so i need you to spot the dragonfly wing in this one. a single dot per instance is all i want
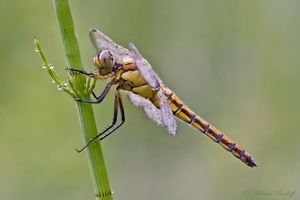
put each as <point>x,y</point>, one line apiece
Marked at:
<point>145,69</point>
<point>150,110</point>
<point>166,113</point>
<point>102,42</point>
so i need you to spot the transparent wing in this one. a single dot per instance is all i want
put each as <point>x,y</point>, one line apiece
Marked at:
<point>145,68</point>
<point>102,42</point>
<point>166,115</point>
<point>150,110</point>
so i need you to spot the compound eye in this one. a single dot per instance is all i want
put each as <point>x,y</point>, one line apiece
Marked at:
<point>103,62</point>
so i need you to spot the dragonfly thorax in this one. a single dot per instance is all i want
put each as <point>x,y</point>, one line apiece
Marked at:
<point>103,62</point>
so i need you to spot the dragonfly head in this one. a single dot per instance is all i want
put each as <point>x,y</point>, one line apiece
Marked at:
<point>103,62</point>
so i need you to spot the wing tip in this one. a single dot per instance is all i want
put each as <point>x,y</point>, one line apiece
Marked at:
<point>94,30</point>
<point>172,128</point>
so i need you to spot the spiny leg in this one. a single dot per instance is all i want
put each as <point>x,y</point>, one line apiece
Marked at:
<point>90,74</point>
<point>99,98</point>
<point>118,103</point>
<point>103,92</point>
<point>94,95</point>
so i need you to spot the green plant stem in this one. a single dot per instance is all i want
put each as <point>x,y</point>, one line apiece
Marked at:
<point>85,111</point>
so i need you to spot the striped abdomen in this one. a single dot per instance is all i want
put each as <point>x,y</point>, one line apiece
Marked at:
<point>184,113</point>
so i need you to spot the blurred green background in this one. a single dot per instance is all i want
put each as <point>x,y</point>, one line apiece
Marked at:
<point>235,63</point>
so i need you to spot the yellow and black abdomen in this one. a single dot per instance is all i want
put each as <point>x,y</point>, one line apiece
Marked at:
<point>181,111</point>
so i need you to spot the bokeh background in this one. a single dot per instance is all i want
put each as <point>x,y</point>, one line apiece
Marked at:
<point>235,63</point>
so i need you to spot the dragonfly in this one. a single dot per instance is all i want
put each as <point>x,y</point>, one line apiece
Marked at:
<point>130,72</point>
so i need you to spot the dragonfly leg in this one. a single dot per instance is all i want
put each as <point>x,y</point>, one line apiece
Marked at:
<point>94,95</point>
<point>118,103</point>
<point>99,98</point>
<point>90,74</point>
